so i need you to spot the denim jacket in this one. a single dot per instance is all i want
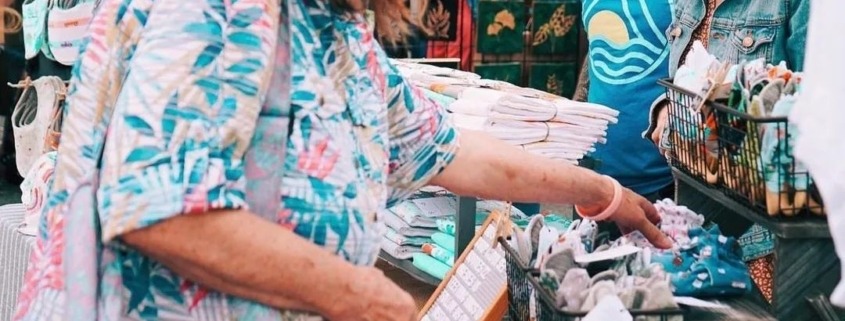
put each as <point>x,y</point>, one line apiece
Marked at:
<point>744,30</point>
<point>741,30</point>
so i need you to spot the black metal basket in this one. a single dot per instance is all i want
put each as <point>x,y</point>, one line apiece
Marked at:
<point>522,282</point>
<point>692,141</point>
<point>768,179</point>
<point>547,311</point>
<point>519,288</point>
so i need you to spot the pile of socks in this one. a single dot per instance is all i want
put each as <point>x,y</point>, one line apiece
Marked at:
<point>536,121</point>
<point>423,230</point>
<point>579,267</point>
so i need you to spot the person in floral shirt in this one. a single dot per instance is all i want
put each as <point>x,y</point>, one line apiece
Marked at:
<point>224,160</point>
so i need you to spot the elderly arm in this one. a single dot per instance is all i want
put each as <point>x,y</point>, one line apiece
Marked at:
<point>489,168</point>
<point>241,254</point>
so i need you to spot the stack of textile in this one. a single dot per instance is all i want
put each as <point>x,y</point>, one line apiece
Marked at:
<point>423,229</point>
<point>538,122</point>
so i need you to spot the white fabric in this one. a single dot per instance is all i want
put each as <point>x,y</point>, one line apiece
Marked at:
<point>521,133</point>
<point>402,252</point>
<point>397,224</point>
<point>821,118</point>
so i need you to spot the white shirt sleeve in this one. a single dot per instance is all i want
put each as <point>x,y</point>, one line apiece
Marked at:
<point>820,117</point>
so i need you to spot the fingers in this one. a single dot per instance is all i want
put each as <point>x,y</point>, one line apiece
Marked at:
<point>655,135</point>
<point>654,235</point>
<point>650,211</point>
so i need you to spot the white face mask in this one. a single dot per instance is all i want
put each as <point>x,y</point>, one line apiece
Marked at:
<point>66,30</point>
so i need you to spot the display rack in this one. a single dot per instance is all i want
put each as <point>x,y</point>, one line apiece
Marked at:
<point>464,233</point>
<point>806,266</point>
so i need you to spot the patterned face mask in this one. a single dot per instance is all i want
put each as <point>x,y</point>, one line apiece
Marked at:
<point>66,30</point>
<point>34,26</point>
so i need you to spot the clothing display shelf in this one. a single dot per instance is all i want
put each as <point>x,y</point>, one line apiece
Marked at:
<point>464,232</point>
<point>806,266</point>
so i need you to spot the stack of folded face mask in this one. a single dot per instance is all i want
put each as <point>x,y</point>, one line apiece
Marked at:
<point>416,222</point>
<point>539,122</point>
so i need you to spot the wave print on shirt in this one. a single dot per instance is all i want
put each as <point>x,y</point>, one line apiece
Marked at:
<point>623,49</point>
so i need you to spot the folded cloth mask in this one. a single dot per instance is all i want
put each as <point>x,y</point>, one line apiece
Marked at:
<point>34,26</point>
<point>66,30</point>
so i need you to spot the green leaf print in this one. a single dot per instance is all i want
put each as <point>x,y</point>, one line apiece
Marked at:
<point>246,17</point>
<point>207,56</point>
<point>167,287</point>
<point>246,40</point>
<point>139,124</point>
<point>143,154</point>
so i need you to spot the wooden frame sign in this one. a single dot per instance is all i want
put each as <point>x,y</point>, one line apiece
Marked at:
<point>476,287</point>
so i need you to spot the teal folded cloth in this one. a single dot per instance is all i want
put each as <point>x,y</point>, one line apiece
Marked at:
<point>446,226</point>
<point>441,99</point>
<point>556,221</point>
<point>430,265</point>
<point>439,253</point>
<point>444,240</point>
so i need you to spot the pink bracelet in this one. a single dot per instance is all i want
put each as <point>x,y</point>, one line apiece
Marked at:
<point>614,203</point>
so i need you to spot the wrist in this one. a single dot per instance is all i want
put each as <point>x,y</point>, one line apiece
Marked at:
<point>607,201</point>
<point>355,284</point>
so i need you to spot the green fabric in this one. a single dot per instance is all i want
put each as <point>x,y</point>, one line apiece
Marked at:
<point>556,28</point>
<point>444,240</point>
<point>446,226</point>
<point>430,265</point>
<point>441,99</point>
<point>500,27</point>
<point>554,78</point>
<point>439,253</point>
<point>508,72</point>
<point>556,221</point>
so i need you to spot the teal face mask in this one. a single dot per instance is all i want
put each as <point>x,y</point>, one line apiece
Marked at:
<point>34,26</point>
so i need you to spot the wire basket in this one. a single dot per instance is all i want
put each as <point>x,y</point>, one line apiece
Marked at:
<point>694,146</point>
<point>547,310</point>
<point>520,289</point>
<point>749,158</point>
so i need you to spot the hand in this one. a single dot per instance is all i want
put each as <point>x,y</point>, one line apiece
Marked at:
<point>374,297</point>
<point>637,213</point>
<point>662,122</point>
<point>634,213</point>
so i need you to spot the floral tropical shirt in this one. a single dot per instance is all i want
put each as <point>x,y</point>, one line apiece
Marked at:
<point>288,108</point>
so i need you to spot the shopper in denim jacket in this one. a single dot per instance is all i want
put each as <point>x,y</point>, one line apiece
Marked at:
<point>735,31</point>
<point>739,30</point>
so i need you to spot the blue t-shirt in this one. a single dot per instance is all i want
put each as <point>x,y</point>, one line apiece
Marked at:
<point>628,53</point>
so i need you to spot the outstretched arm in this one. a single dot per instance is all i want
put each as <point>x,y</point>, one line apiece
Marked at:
<point>488,168</point>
